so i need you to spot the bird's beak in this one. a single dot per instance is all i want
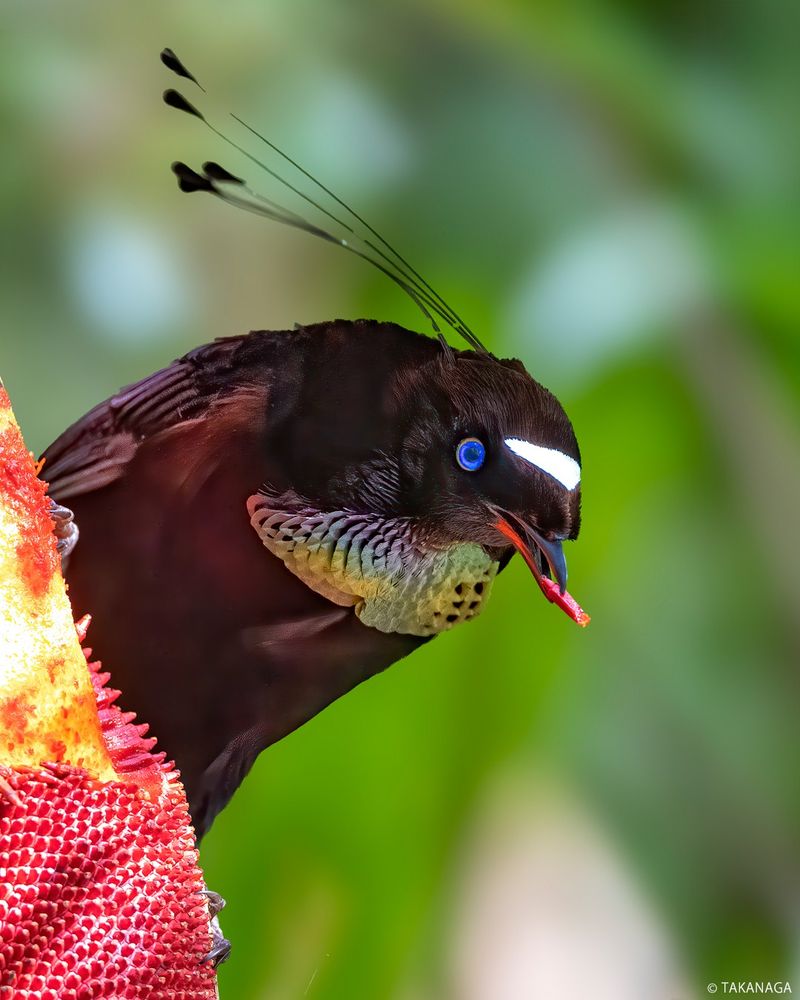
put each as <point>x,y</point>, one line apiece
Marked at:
<point>554,589</point>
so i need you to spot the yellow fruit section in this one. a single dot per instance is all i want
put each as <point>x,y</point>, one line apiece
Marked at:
<point>47,702</point>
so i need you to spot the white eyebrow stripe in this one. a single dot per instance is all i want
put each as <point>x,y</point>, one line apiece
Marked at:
<point>555,463</point>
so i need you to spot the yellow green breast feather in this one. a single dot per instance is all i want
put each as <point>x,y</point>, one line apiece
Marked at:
<point>374,565</point>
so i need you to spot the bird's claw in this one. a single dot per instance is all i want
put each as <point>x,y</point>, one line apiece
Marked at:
<point>65,528</point>
<point>216,904</point>
<point>220,945</point>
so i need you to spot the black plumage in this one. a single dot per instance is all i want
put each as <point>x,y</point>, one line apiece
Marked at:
<point>213,640</point>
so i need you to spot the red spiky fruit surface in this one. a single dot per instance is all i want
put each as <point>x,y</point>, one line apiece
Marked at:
<point>100,890</point>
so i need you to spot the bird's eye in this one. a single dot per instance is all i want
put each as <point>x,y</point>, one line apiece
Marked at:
<point>470,454</point>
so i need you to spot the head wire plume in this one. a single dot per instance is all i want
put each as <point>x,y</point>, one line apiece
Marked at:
<point>369,245</point>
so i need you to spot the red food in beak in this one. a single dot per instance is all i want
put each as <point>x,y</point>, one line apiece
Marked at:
<point>551,590</point>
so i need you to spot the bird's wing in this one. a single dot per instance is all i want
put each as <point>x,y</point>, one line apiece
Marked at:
<point>95,450</point>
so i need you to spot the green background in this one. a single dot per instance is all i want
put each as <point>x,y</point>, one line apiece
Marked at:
<point>522,810</point>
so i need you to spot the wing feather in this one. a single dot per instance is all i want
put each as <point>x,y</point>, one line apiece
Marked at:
<point>95,450</point>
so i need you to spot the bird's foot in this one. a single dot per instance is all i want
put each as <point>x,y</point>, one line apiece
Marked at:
<point>66,530</point>
<point>220,945</point>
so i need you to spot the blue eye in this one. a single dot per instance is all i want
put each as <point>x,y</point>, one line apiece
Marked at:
<point>470,454</point>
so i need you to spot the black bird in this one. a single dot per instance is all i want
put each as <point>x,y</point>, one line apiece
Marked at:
<point>275,517</point>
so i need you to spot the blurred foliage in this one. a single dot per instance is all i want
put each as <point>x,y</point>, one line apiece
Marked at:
<point>612,193</point>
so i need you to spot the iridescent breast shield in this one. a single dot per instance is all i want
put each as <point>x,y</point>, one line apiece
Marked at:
<point>377,566</point>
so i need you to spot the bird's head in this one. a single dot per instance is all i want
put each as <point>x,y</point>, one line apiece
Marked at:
<point>489,456</point>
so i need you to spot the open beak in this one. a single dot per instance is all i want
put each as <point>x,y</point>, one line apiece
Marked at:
<point>551,554</point>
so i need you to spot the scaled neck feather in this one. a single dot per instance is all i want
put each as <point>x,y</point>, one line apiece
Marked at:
<point>383,567</point>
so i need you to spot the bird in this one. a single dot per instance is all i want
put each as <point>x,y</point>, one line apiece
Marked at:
<point>275,517</point>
